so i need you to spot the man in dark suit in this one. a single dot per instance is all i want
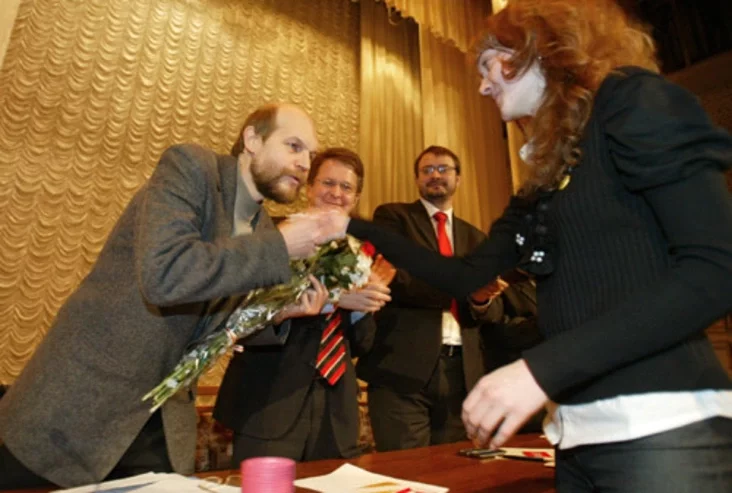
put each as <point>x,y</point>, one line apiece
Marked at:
<point>273,395</point>
<point>426,352</point>
<point>190,244</point>
<point>508,313</point>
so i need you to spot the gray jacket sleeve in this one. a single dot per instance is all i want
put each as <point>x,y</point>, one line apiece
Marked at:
<point>174,264</point>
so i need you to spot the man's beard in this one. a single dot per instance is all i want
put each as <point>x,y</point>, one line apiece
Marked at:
<point>430,193</point>
<point>270,184</point>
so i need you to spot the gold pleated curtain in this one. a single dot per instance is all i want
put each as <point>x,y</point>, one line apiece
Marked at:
<point>519,170</point>
<point>391,106</point>
<point>455,22</point>
<point>92,91</point>
<point>8,12</point>
<point>458,23</point>
<point>418,89</point>
<point>456,116</point>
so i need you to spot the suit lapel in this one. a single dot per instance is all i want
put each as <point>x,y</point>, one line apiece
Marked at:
<point>218,310</point>
<point>527,289</point>
<point>460,235</point>
<point>227,188</point>
<point>423,224</point>
<point>262,222</point>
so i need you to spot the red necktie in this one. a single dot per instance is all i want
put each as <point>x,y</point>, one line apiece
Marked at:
<point>331,360</point>
<point>443,242</point>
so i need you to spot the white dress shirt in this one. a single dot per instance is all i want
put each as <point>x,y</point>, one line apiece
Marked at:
<point>627,417</point>
<point>450,326</point>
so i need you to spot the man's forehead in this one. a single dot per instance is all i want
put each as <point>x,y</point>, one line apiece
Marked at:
<point>334,166</point>
<point>434,158</point>
<point>295,123</point>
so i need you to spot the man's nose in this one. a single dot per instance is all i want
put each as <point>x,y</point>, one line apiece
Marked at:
<point>485,87</point>
<point>336,191</point>
<point>302,161</point>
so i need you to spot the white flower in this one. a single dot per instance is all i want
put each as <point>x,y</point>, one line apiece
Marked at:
<point>363,269</point>
<point>353,244</point>
<point>537,256</point>
<point>520,240</point>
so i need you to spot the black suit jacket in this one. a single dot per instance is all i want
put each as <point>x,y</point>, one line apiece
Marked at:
<point>510,325</point>
<point>264,388</point>
<point>408,338</point>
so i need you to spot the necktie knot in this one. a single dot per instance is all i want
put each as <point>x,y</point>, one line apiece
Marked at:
<point>443,241</point>
<point>440,217</point>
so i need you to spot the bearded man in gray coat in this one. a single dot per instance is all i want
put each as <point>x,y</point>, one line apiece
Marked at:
<point>190,244</point>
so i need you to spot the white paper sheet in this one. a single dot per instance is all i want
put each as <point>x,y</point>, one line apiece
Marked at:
<point>545,454</point>
<point>156,482</point>
<point>351,479</point>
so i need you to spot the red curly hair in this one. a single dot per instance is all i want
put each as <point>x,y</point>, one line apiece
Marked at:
<point>577,43</point>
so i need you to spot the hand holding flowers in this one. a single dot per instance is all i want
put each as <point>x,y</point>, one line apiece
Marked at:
<point>310,303</point>
<point>375,293</point>
<point>370,298</point>
<point>337,266</point>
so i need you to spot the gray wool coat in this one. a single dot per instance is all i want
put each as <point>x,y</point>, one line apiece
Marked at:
<point>77,407</point>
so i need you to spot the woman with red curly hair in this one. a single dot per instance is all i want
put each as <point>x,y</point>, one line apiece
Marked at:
<point>626,225</point>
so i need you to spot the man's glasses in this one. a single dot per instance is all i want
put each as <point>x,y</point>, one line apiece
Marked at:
<point>345,187</point>
<point>440,168</point>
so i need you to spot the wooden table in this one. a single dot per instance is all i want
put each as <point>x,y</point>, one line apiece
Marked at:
<point>439,465</point>
<point>442,466</point>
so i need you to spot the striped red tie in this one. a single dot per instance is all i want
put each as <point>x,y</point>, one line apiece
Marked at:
<point>331,360</point>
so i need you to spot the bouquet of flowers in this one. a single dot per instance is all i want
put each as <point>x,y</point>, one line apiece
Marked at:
<point>340,265</point>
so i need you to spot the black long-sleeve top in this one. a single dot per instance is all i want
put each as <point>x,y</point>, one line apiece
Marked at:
<point>641,261</point>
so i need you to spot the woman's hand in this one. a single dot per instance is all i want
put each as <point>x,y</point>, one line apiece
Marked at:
<point>303,232</point>
<point>370,298</point>
<point>310,303</point>
<point>500,403</point>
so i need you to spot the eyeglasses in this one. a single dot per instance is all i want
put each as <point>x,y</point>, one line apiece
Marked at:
<point>440,168</point>
<point>345,187</point>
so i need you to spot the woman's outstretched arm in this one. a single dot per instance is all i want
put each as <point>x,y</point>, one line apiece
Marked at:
<point>457,276</point>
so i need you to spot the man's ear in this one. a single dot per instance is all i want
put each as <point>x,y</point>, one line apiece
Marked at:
<point>252,140</point>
